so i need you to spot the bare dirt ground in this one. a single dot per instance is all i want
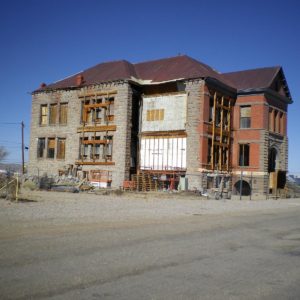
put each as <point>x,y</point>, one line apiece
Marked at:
<point>148,246</point>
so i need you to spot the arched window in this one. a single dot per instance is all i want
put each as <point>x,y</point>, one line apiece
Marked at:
<point>244,185</point>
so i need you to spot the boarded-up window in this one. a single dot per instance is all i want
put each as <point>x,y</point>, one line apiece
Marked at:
<point>51,148</point>
<point>155,114</point>
<point>245,117</point>
<point>63,113</point>
<point>53,114</point>
<point>61,148</point>
<point>244,155</point>
<point>41,147</point>
<point>44,114</point>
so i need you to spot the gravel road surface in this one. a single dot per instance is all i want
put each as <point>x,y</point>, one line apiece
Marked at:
<point>156,246</point>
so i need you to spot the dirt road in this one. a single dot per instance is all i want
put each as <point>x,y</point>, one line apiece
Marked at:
<point>68,247</point>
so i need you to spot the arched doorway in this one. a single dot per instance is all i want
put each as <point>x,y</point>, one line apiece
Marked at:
<point>272,160</point>
<point>246,189</point>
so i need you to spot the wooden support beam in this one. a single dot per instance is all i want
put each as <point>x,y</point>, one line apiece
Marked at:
<point>99,93</point>
<point>95,163</point>
<point>164,134</point>
<point>229,138</point>
<point>97,128</point>
<point>213,133</point>
<point>223,106</point>
<point>221,135</point>
<point>221,144</point>
<point>96,105</point>
<point>95,142</point>
<point>226,132</point>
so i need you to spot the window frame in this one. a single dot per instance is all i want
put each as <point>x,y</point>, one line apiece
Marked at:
<point>41,150</point>
<point>48,148</point>
<point>44,116</point>
<point>247,124</point>
<point>59,153</point>
<point>242,161</point>
<point>53,113</point>
<point>66,106</point>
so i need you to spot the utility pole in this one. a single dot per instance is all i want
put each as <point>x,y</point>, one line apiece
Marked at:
<point>22,129</point>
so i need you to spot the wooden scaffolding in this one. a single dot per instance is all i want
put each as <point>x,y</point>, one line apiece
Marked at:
<point>220,133</point>
<point>92,104</point>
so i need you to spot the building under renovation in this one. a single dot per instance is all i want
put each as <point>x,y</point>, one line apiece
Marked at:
<point>167,123</point>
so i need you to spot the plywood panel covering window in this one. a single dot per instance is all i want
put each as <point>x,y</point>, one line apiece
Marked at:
<point>63,113</point>
<point>245,117</point>
<point>53,114</point>
<point>61,148</point>
<point>44,115</point>
<point>51,147</point>
<point>155,114</point>
<point>41,147</point>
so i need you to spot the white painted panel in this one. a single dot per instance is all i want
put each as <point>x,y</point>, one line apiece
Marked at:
<point>143,151</point>
<point>175,153</point>
<point>179,156</point>
<point>151,149</point>
<point>174,107</point>
<point>184,153</point>
<point>160,155</point>
<point>147,158</point>
<point>163,153</point>
<point>155,154</point>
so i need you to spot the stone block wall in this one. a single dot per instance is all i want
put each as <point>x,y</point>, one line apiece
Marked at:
<point>195,91</point>
<point>121,137</point>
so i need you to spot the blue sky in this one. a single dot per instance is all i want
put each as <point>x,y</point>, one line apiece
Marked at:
<point>44,41</point>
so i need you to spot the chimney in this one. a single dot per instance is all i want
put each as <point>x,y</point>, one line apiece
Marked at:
<point>79,79</point>
<point>42,85</point>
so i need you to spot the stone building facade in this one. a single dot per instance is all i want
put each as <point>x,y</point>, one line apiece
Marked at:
<point>92,122</point>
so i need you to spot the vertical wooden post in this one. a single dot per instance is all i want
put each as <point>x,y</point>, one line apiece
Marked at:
<point>213,133</point>
<point>229,135</point>
<point>23,163</point>
<point>221,135</point>
<point>17,187</point>
<point>251,186</point>
<point>241,184</point>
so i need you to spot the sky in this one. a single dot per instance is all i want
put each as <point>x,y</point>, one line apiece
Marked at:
<point>44,41</point>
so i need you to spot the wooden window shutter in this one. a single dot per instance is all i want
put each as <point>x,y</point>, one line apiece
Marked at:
<point>51,143</point>
<point>63,117</point>
<point>61,148</point>
<point>44,115</point>
<point>53,113</point>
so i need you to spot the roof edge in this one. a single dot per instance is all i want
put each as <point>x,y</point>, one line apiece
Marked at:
<point>266,91</point>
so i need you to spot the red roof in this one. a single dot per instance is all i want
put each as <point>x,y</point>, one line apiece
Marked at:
<point>109,71</point>
<point>251,79</point>
<point>167,69</point>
